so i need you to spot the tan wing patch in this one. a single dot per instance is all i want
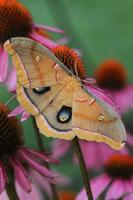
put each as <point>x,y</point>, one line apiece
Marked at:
<point>34,68</point>
<point>49,122</point>
<point>94,122</point>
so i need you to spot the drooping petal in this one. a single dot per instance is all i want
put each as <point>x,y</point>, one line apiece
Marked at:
<point>105,96</point>
<point>90,151</point>
<point>128,196</point>
<point>98,185</point>
<point>38,155</point>
<point>11,81</point>
<point>37,166</point>
<point>24,116</point>
<point>34,194</point>
<point>17,111</point>
<point>43,40</point>
<point>21,175</point>
<point>60,148</point>
<point>63,40</point>
<point>116,190</point>
<point>124,99</point>
<point>3,177</point>
<point>3,64</point>
<point>49,28</point>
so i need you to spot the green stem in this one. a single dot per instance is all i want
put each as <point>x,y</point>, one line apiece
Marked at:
<point>10,186</point>
<point>85,176</point>
<point>42,148</point>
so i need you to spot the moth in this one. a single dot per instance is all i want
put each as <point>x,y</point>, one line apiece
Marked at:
<point>57,98</point>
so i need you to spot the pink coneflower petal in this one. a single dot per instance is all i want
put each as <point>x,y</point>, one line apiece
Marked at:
<point>24,116</point>
<point>128,186</point>
<point>38,167</point>
<point>99,184</point>
<point>103,95</point>
<point>3,177</point>
<point>63,40</point>
<point>38,155</point>
<point>116,190</point>
<point>45,41</point>
<point>49,28</point>
<point>128,197</point>
<point>17,111</point>
<point>21,175</point>
<point>60,147</point>
<point>3,64</point>
<point>130,139</point>
<point>124,98</point>
<point>35,194</point>
<point>11,81</point>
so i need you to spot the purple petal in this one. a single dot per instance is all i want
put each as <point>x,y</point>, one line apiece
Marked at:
<point>17,111</point>
<point>3,65</point>
<point>37,166</point>
<point>49,28</point>
<point>124,99</point>
<point>41,181</point>
<point>40,155</point>
<point>90,151</point>
<point>60,147</point>
<point>116,190</point>
<point>24,116</point>
<point>104,95</point>
<point>43,40</point>
<point>21,174</point>
<point>35,193</point>
<point>128,197</point>
<point>99,184</point>
<point>3,177</point>
<point>82,195</point>
<point>63,40</point>
<point>11,81</point>
<point>128,186</point>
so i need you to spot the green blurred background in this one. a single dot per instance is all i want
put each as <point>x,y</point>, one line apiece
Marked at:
<point>101,29</point>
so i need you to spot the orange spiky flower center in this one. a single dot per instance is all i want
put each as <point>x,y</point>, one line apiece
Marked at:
<point>111,74</point>
<point>66,195</point>
<point>70,59</point>
<point>120,166</point>
<point>11,134</point>
<point>15,20</point>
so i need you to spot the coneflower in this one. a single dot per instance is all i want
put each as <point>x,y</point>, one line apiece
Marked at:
<point>15,21</point>
<point>117,180</point>
<point>14,155</point>
<point>111,76</point>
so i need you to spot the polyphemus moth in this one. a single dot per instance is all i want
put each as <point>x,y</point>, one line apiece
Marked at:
<point>57,98</point>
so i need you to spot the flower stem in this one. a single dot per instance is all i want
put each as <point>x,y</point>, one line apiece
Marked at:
<point>42,148</point>
<point>79,154</point>
<point>10,186</point>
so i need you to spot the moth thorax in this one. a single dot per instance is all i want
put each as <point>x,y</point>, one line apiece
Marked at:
<point>11,134</point>
<point>120,166</point>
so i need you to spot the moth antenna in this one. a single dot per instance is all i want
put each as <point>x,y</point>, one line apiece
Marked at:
<point>75,67</point>
<point>89,80</point>
<point>11,99</point>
